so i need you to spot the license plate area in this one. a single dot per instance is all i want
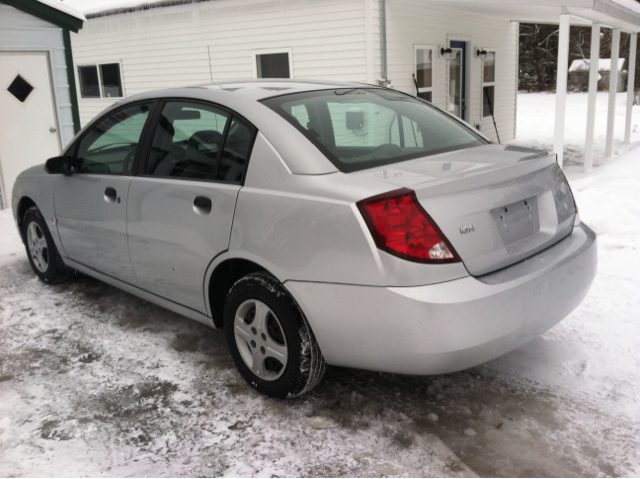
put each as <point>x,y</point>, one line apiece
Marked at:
<point>518,220</point>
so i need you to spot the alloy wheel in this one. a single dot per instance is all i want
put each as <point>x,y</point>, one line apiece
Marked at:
<point>261,340</point>
<point>38,247</point>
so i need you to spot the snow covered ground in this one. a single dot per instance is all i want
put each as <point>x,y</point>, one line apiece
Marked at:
<point>96,382</point>
<point>536,122</point>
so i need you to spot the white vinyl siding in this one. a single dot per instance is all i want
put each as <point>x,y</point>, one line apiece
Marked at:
<point>215,41</point>
<point>415,22</point>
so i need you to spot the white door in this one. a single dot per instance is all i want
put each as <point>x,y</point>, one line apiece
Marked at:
<point>28,127</point>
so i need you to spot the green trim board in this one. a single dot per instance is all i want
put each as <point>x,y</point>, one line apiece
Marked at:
<point>71,76</point>
<point>47,13</point>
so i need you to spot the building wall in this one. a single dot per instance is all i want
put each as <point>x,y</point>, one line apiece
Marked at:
<point>214,41</point>
<point>22,32</point>
<point>419,22</point>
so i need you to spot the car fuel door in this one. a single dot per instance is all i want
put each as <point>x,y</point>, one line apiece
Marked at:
<point>180,210</point>
<point>91,203</point>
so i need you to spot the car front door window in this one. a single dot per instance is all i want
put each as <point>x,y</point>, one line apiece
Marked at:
<point>110,146</point>
<point>91,203</point>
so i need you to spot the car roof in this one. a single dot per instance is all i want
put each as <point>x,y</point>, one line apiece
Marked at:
<point>265,88</point>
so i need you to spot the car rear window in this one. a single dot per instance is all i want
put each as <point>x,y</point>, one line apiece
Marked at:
<point>361,128</point>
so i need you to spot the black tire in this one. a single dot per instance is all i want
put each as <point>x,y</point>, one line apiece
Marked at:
<point>47,265</point>
<point>304,366</point>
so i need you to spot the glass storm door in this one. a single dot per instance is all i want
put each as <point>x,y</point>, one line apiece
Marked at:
<point>457,77</point>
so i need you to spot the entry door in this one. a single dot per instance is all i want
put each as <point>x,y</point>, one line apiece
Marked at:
<point>456,98</point>
<point>28,127</point>
<point>91,203</point>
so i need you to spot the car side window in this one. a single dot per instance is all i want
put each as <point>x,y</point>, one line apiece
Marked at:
<point>300,113</point>
<point>110,146</point>
<point>236,151</point>
<point>187,141</point>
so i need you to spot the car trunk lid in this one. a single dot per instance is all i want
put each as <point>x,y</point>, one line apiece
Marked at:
<point>496,204</point>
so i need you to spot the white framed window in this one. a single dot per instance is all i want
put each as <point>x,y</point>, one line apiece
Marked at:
<point>272,63</point>
<point>101,81</point>
<point>489,84</point>
<point>423,67</point>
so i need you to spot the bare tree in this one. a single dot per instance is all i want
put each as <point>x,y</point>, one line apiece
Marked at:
<point>539,54</point>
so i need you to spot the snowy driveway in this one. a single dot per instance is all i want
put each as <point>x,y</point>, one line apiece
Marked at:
<point>96,382</point>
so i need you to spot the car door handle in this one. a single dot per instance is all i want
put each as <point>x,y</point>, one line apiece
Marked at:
<point>202,205</point>
<point>111,195</point>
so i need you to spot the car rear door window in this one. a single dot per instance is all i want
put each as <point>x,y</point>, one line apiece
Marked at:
<point>235,154</point>
<point>110,146</point>
<point>199,142</point>
<point>187,141</point>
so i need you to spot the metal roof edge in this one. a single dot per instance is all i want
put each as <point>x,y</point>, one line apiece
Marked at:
<point>47,13</point>
<point>618,11</point>
<point>141,7</point>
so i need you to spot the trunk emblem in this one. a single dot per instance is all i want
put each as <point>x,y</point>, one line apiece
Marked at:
<point>467,229</point>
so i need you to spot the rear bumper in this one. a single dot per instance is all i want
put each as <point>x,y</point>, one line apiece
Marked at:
<point>449,326</point>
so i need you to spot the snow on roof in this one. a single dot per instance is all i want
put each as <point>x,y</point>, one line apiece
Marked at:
<point>604,65</point>
<point>97,7</point>
<point>632,5</point>
<point>64,7</point>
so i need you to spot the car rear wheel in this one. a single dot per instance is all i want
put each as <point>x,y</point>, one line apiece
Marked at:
<point>41,250</point>
<point>269,338</point>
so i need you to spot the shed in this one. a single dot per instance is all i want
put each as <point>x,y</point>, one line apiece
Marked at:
<point>38,102</point>
<point>579,74</point>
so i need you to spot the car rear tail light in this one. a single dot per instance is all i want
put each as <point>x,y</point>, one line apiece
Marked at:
<point>402,228</point>
<point>573,198</point>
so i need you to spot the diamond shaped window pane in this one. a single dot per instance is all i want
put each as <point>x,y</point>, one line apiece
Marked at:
<point>20,88</point>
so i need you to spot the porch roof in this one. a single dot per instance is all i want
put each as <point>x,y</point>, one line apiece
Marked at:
<point>622,14</point>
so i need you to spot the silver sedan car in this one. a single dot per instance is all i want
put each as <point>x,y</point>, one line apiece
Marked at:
<point>317,223</point>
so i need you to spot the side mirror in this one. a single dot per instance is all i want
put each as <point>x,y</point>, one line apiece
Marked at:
<point>59,165</point>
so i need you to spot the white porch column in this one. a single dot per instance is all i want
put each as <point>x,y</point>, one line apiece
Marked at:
<point>594,66</point>
<point>561,86</point>
<point>630,85</point>
<point>613,89</point>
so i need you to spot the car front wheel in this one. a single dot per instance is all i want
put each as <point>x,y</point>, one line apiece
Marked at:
<point>41,250</point>
<point>269,338</point>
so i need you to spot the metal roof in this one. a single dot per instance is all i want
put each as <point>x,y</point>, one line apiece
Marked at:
<point>623,14</point>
